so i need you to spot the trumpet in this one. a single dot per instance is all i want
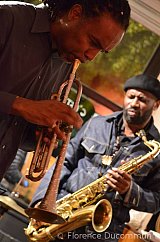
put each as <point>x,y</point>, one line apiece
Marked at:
<point>46,211</point>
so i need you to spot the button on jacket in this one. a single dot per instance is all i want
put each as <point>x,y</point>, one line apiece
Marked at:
<point>28,68</point>
<point>83,163</point>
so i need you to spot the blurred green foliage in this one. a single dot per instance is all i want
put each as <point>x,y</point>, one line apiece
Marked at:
<point>33,1</point>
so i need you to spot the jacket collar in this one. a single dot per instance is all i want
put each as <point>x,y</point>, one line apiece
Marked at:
<point>114,116</point>
<point>151,129</point>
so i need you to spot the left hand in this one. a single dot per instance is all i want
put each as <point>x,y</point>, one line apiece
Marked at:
<point>118,180</point>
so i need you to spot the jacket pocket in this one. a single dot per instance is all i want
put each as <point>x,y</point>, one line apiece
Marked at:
<point>94,146</point>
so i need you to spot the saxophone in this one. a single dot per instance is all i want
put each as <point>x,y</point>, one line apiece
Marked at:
<point>78,209</point>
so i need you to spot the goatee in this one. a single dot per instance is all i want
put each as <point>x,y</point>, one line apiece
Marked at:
<point>138,118</point>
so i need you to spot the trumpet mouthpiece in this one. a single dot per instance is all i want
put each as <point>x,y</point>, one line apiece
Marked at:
<point>75,66</point>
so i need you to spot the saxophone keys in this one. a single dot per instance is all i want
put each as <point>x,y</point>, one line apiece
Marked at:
<point>74,204</point>
<point>65,211</point>
<point>82,198</point>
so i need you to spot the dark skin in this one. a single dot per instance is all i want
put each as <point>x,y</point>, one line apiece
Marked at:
<point>137,104</point>
<point>85,37</point>
<point>46,113</point>
<point>75,37</point>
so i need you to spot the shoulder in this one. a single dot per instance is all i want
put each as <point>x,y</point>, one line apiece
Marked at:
<point>154,133</point>
<point>12,11</point>
<point>99,122</point>
<point>106,118</point>
<point>15,6</point>
<point>24,17</point>
<point>97,119</point>
<point>19,9</point>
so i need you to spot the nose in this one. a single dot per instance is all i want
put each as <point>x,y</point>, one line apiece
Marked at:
<point>90,54</point>
<point>135,102</point>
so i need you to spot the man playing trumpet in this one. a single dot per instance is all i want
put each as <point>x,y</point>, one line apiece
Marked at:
<point>38,46</point>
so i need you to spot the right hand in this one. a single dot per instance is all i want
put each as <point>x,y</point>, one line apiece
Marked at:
<point>45,112</point>
<point>119,180</point>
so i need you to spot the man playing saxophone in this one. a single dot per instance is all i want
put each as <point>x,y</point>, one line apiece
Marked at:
<point>101,146</point>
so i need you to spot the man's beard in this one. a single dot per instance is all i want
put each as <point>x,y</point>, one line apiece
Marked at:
<point>138,118</point>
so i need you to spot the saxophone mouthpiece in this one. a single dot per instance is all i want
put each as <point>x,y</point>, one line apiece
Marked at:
<point>142,134</point>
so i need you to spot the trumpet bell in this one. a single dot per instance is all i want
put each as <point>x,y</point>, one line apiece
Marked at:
<point>44,215</point>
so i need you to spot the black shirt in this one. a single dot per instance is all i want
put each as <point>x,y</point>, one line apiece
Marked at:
<point>28,68</point>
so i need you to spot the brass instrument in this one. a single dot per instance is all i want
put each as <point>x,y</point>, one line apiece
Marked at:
<point>77,209</point>
<point>46,211</point>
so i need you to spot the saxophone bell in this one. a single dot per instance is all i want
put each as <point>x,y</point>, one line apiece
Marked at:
<point>102,215</point>
<point>99,215</point>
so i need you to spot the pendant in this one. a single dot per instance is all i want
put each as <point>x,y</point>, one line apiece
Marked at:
<point>106,160</point>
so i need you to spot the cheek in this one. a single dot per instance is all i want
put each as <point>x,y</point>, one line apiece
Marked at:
<point>81,42</point>
<point>126,103</point>
<point>77,43</point>
<point>80,39</point>
<point>77,37</point>
<point>144,109</point>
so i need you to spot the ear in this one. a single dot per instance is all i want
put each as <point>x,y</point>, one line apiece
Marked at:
<point>156,105</point>
<point>75,12</point>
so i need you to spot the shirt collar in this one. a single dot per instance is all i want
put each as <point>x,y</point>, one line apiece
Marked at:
<point>150,129</point>
<point>114,116</point>
<point>42,20</point>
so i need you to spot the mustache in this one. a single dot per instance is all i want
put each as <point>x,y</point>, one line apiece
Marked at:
<point>133,109</point>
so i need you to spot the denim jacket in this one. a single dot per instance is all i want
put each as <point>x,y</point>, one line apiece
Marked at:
<point>83,163</point>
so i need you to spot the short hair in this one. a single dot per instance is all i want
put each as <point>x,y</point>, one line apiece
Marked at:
<point>118,9</point>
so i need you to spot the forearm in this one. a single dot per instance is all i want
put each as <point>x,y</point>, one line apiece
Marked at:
<point>141,199</point>
<point>45,112</point>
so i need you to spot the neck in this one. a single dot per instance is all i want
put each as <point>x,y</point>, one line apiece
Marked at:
<point>130,129</point>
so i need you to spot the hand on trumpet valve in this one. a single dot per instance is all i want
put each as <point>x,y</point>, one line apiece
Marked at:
<point>46,112</point>
<point>61,130</point>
